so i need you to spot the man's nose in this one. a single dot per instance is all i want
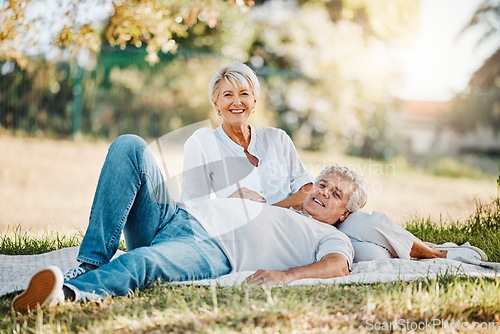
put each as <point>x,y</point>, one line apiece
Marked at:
<point>324,192</point>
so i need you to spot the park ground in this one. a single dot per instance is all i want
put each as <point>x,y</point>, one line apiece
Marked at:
<point>46,193</point>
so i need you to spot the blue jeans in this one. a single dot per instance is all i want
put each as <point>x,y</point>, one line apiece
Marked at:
<point>163,241</point>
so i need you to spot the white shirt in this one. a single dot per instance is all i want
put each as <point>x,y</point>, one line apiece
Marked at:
<point>214,162</point>
<point>260,236</point>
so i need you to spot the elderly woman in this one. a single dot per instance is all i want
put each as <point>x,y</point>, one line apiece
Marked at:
<point>240,160</point>
<point>261,164</point>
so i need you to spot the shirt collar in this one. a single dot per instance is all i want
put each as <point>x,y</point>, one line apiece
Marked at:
<point>222,135</point>
<point>299,212</point>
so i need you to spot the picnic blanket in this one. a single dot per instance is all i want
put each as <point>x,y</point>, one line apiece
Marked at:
<point>17,270</point>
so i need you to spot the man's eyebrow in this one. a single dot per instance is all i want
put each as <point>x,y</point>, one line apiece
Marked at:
<point>334,185</point>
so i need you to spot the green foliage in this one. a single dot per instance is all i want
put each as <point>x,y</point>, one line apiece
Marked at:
<point>36,98</point>
<point>449,167</point>
<point>498,179</point>
<point>156,24</point>
<point>15,242</point>
<point>326,80</point>
<point>478,109</point>
<point>387,20</point>
<point>126,95</point>
<point>324,65</point>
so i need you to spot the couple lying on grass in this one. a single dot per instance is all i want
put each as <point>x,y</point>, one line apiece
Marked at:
<point>311,230</point>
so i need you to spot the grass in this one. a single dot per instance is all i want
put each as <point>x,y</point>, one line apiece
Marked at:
<point>482,229</point>
<point>16,242</point>
<point>443,304</point>
<point>331,308</point>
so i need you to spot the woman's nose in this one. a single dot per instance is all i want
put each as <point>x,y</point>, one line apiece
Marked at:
<point>237,101</point>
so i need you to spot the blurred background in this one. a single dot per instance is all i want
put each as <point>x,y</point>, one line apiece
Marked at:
<point>406,92</point>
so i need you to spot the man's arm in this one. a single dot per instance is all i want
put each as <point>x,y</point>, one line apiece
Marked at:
<point>296,200</point>
<point>331,265</point>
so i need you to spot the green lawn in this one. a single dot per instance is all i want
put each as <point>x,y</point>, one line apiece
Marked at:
<point>444,304</point>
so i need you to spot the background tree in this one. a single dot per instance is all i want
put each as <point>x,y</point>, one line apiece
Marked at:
<point>137,22</point>
<point>326,65</point>
<point>36,98</point>
<point>479,104</point>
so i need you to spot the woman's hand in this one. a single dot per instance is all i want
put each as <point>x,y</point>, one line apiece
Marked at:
<point>246,193</point>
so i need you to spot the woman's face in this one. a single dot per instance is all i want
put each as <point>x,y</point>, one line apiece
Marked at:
<point>235,104</point>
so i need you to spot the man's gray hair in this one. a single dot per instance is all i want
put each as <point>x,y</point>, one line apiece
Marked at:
<point>237,74</point>
<point>358,197</point>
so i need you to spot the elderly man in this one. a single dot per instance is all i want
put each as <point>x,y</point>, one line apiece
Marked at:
<point>167,242</point>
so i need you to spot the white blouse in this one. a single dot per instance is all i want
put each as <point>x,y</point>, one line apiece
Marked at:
<point>214,162</point>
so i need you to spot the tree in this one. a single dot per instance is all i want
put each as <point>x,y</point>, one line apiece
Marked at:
<point>37,97</point>
<point>326,64</point>
<point>154,23</point>
<point>479,104</point>
<point>327,70</point>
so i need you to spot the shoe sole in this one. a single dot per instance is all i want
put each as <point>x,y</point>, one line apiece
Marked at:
<point>43,288</point>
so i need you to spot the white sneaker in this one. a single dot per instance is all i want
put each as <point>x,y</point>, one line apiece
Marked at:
<point>76,271</point>
<point>45,289</point>
<point>466,250</point>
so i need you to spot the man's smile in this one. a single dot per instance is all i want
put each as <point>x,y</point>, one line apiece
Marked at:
<point>318,201</point>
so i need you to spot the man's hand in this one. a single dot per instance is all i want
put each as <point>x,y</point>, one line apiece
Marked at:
<point>246,193</point>
<point>331,265</point>
<point>267,277</point>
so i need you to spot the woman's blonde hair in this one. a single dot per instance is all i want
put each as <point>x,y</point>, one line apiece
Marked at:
<point>237,74</point>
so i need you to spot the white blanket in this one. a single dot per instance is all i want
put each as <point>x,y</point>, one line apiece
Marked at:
<point>16,270</point>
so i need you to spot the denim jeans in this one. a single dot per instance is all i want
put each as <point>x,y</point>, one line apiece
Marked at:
<point>163,241</point>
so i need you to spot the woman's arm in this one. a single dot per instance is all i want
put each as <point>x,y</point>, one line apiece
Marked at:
<point>196,183</point>
<point>295,200</point>
<point>299,178</point>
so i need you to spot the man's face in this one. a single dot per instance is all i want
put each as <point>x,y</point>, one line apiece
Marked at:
<point>328,199</point>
